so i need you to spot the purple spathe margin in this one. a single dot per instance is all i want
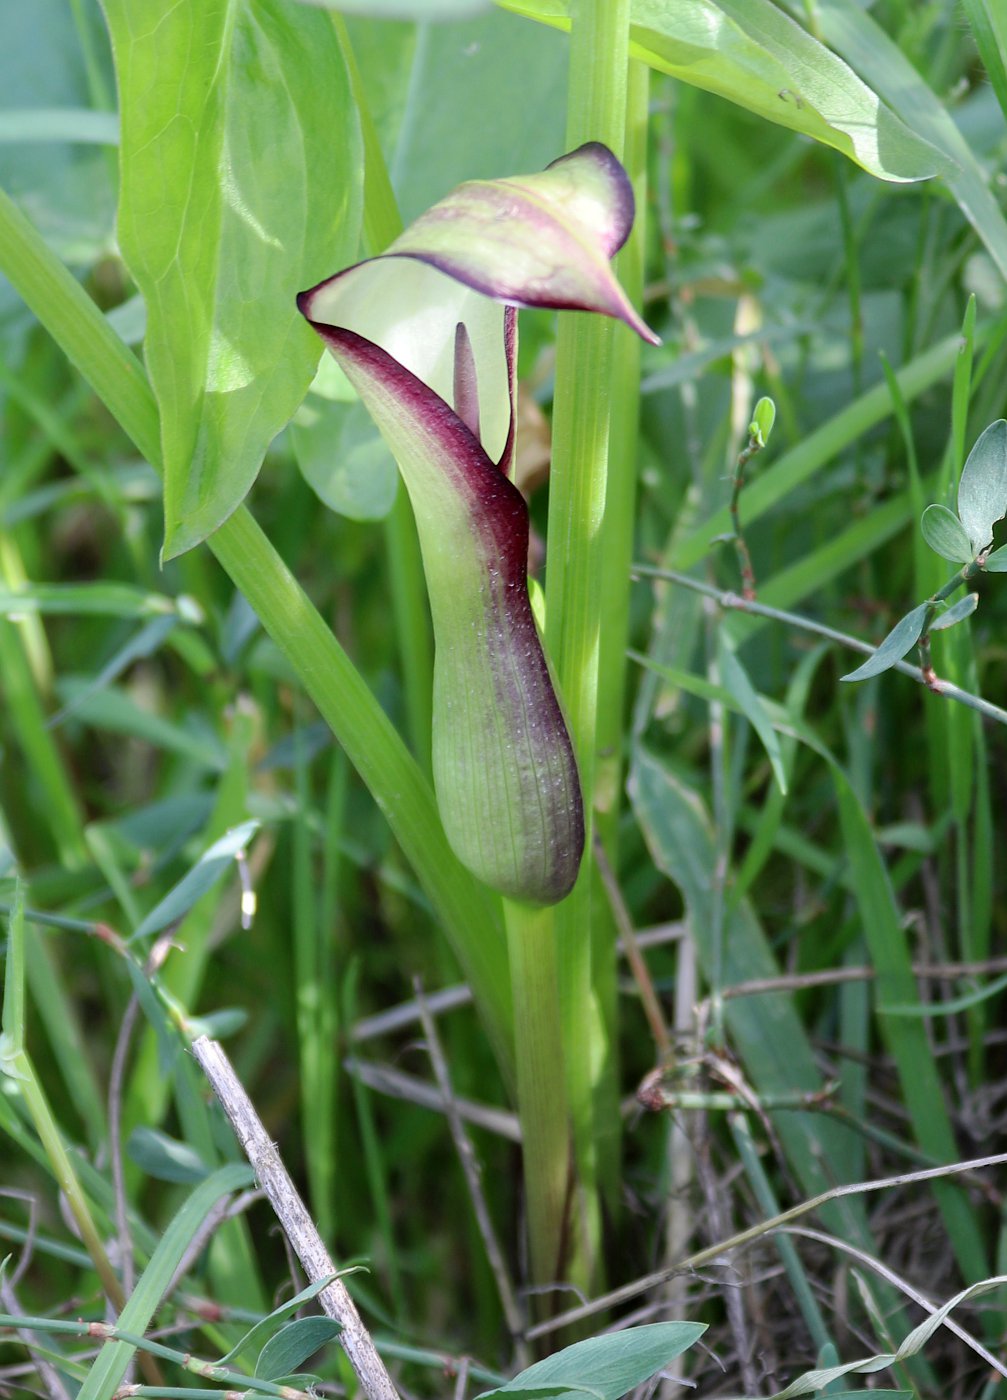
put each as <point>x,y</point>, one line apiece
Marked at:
<point>522,686</point>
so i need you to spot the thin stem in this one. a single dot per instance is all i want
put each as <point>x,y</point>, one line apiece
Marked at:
<point>471,1168</point>
<point>649,999</point>
<point>969,571</point>
<point>540,1078</point>
<point>23,1071</point>
<point>740,543</point>
<point>733,602</point>
<point>755,1232</point>
<point>107,1332</point>
<point>722,823</point>
<point>806,1301</point>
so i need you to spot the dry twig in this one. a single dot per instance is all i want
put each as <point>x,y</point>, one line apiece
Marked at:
<point>293,1216</point>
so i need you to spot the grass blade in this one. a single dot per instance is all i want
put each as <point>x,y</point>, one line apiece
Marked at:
<point>108,1370</point>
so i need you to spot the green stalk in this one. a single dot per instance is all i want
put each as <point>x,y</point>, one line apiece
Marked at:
<point>468,913</point>
<point>22,1070</point>
<point>620,515</point>
<point>620,508</point>
<point>538,1049</point>
<point>596,110</point>
<point>17,1066</point>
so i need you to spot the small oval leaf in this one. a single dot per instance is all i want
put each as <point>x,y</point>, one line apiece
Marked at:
<point>996,563</point>
<point>293,1344</point>
<point>269,1325</point>
<point>762,422</point>
<point>982,491</point>
<point>946,535</point>
<point>965,607</point>
<point>902,638</point>
<point>164,1157</point>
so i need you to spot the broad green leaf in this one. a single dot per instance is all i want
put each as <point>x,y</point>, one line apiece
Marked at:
<point>466,68</point>
<point>405,9</point>
<point>607,1366</point>
<point>902,638</point>
<point>945,534</point>
<point>240,184</point>
<point>996,563</point>
<point>343,459</point>
<point>853,33</point>
<point>754,55</point>
<point>283,1354</point>
<point>965,607</point>
<point>982,491</point>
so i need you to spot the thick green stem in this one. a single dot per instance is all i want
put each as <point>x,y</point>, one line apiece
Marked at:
<point>620,513</point>
<point>541,1091</point>
<point>620,505</point>
<point>599,56</point>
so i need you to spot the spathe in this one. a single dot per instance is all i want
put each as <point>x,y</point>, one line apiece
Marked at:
<point>427,335</point>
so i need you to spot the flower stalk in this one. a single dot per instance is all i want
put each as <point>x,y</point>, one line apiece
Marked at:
<point>582,421</point>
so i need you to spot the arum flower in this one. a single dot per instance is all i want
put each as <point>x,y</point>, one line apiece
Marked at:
<point>427,335</point>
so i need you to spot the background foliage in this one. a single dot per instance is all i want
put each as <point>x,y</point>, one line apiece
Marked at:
<point>779,825</point>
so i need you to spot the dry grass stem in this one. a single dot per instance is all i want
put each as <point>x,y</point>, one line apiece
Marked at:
<point>293,1216</point>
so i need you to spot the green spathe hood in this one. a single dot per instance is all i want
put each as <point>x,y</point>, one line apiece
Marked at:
<point>427,335</point>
